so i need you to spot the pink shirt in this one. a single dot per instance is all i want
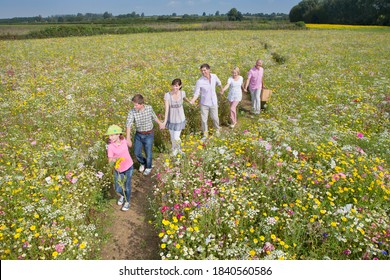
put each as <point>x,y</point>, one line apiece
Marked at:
<point>255,77</point>
<point>120,151</point>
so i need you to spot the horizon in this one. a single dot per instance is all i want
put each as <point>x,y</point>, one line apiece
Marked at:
<point>45,8</point>
<point>161,15</point>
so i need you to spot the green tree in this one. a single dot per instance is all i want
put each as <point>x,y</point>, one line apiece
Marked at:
<point>366,12</point>
<point>376,11</point>
<point>234,15</point>
<point>107,15</point>
<point>296,14</point>
<point>304,11</point>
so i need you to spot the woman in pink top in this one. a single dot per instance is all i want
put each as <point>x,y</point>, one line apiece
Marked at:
<point>255,83</point>
<point>118,154</point>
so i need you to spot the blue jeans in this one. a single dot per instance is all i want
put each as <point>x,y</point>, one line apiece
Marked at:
<point>123,183</point>
<point>144,141</point>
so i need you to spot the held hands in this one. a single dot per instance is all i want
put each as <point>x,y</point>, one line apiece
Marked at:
<point>162,125</point>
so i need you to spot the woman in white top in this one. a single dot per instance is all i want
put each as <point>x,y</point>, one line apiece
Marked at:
<point>174,118</point>
<point>234,84</point>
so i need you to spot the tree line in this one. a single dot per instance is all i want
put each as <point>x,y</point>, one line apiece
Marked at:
<point>362,12</point>
<point>106,17</point>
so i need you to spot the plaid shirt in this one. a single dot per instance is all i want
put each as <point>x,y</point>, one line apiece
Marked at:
<point>143,119</point>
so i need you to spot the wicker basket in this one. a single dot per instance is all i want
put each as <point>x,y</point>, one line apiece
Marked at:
<point>266,94</point>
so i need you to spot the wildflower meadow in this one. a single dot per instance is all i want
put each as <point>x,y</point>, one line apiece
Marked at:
<point>307,179</point>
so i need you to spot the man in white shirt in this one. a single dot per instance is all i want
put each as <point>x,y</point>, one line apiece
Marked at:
<point>205,87</point>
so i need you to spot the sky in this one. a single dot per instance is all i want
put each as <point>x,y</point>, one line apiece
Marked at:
<point>45,8</point>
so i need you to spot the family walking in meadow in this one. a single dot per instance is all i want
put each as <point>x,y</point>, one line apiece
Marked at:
<point>142,116</point>
<point>156,146</point>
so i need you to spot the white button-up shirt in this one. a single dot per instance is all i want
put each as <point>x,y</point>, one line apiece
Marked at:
<point>206,89</point>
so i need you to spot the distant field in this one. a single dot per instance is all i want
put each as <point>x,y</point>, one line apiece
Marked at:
<point>19,29</point>
<point>344,26</point>
<point>65,30</point>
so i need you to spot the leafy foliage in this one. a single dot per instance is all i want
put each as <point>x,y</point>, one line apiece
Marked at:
<point>234,15</point>
<point>365,12</point>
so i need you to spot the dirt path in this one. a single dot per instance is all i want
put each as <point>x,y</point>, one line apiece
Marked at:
<point>132,237</point>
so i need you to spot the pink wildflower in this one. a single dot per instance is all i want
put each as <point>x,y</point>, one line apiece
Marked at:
<point>69,175</point>
<point>60,247</point>
<point>268,247</point>
<point>347,252</point>
<point>197,191</point>
<point>342,175</point>
<point>178,216</point>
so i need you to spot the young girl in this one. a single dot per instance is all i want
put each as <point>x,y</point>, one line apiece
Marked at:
<point>235,93</point>
<point>175,119</point>
<point>118,154</point>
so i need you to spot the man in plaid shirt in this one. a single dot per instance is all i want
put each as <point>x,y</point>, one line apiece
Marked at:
<point>142,117</point>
